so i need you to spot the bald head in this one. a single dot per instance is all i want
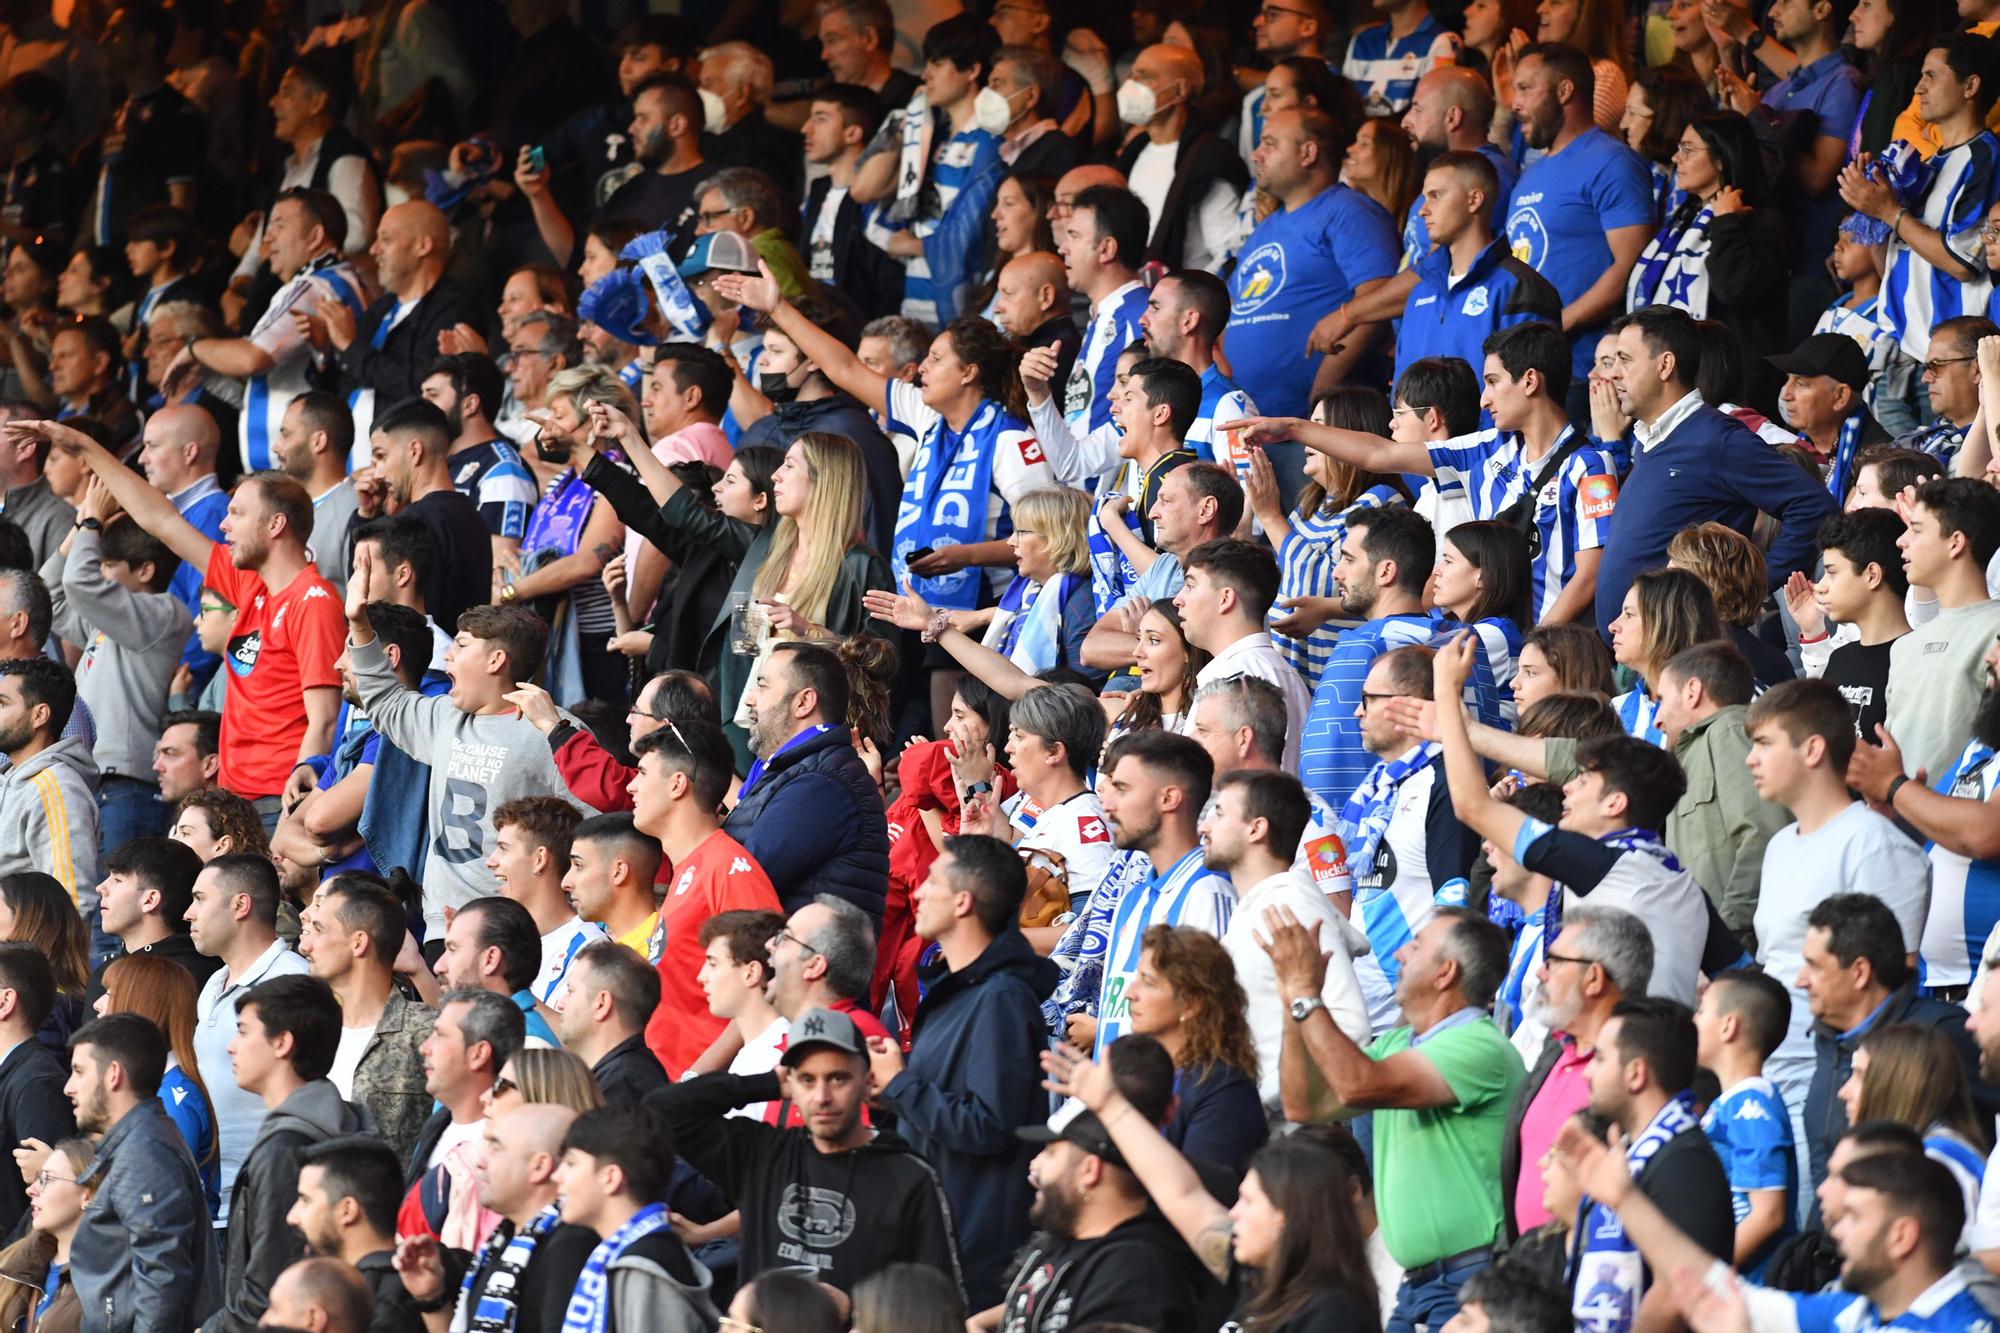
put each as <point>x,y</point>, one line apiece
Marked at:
<point>412,243</point>
<point>178,447</point>
<point>1452,107</point>
<point>1031,290</point>
<point>1163,66</point>
<point>1078,179</point>
<point>541,1125</point>
<point>321,1294</point>
<point>1038,267</point>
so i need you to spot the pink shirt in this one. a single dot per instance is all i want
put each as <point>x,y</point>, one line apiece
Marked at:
<point>1561,1096</point>
<point>702,442</point>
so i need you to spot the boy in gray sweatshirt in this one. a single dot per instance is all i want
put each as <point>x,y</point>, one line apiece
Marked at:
<point>481,751</point>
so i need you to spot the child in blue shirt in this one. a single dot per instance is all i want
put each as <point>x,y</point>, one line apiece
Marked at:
<point>1741,1020</point>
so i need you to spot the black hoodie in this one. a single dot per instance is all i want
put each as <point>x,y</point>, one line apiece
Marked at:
<point>1139,1273</point>
<point>846,1214</point>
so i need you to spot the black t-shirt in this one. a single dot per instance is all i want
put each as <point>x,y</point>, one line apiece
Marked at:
<point>462,571</point>
<point>157,140</point>
<point>654,200</point>
<point>1138,1273</point>
<point>1861,670</point>
<point>1328,1311</point>
<point>547,1281</point>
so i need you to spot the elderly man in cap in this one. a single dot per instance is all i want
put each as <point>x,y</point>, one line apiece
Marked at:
<point>833,1195</point>
<point>1821,400</point>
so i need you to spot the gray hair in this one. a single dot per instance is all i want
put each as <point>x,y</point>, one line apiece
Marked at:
<point>492,1018</point>
<point>1065,717</point>
<point>742,63</point>
<point>1616,941</point>
<point>746,187</point>
<point>1040,68</point>
<point>909,339</point>
<point>584,385</point>
<point>847,942</point>
<point>1247,701</point>
<point>557,334</point>
<point>1480,949</point>
<point>23,590</point>
<point>188,319</point>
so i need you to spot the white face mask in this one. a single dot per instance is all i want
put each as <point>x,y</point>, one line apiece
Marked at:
<point>713,113</point>
<point>394,196</point>
<point>992,112</point>
<point>1137,103</point>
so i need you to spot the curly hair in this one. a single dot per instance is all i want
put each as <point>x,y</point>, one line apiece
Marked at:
<point>1729,563</point>
<point>1203,978</point>
<point>871,664</point>
<point>229,816</point>
<point>996,357</point>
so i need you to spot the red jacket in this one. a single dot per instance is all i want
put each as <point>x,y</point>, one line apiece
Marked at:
<point>589,771</point>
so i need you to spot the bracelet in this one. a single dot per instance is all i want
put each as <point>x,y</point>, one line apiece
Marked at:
<point>446,1296</point>
<point>1889,798</point>
<point>1896,223</point>
<point>507,594</point>
<point>940,622</point>
<point>1116,1116</point>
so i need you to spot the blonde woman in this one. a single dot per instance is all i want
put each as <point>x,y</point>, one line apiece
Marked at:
<point>1043,616</point>
<point>807,571</point>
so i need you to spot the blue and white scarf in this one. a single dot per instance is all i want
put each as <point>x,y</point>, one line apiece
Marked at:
<point>1941,440</point>
<point>1365,817</point>
<point>590,1303</point>
<point>1081,951</point>
<point>1531,938</point>
<point>498,1307</point>
<point>677,303</point>
<point>1031,635</point>
<point>1111,573</point>
<point>944,504</point>
<point>1610,1275</point>
<point>1838,478</point>
<point>1673,269</point>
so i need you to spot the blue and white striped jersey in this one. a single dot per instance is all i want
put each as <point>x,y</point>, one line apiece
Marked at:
<point>1387,68</point>
<point>1916,297</point>
<point>1114,326</point>
<point>1187,893</point>
<point>1946,1306</point>
<point>1489,690</point>
<point>1965,894</point>
<point>1221,400</point>
<point>1572,513</point>
<point>266,396</point>
<point>1639,712</point>
<point>1306,552</point>
<point>954,162</point>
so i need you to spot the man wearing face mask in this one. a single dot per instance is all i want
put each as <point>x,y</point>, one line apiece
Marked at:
<point>735,84</point>
<point>804,399</point>
<point>1018,104</point>
<point>1187,176</point>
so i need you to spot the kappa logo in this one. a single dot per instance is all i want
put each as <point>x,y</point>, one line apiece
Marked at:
<point>739,866</point>
<point>1090,828</point>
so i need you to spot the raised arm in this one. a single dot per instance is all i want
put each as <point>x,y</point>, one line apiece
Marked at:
<point>824,350</point>
<point>149,508</point>
<point>911,612</point>
<point>1350,446</point>
<point>1173,1184</point>
<point>1472,800</point>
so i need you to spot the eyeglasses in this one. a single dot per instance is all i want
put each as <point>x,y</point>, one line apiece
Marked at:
<point>708,215</point>
<point>1689,149</point>
<point>1568,958</point>
<point>503,1086</point>
<point>1937,367</point>
<point>1989,231</point>
<point>1368,698</point>
<point>209,608</point>
<point>1272,13</point>
<point>1061,208</point>
<point>48,1178</point>
<point>786,934</point>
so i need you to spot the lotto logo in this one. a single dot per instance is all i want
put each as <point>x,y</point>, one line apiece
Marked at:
<point>1091,829</point>
<point>1031,450</point>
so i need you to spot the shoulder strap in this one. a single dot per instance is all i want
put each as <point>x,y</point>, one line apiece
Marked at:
<point>1524,516</point>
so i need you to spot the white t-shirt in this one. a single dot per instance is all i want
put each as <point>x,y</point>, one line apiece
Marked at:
<point>456,1136</point>
<point>559,947</point>
<point>1266,1007</point>
<point>1076,831</point>
<point>353,1042</point>
<point>759,1056</point>
<point>1255,655</point>
<point>1857,851</point>
<point>1936,674</point>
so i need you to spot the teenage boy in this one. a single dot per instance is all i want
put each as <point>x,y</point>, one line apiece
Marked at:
<point>616,1163</point>
<point>482,753</point>
<point>1801,737</point>
<point>735,970</point>
<point>1224,601</point>
<point>1937,671</point>
<point>1742,1018</point>
<point>531,836</point>
<point>1861,588</point>
<point>612,870</point>
<point>837,1159</point>
<point>1102,242</point>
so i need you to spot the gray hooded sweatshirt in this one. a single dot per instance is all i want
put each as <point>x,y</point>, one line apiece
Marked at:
<point>48,804</point>
<point>131,642</point>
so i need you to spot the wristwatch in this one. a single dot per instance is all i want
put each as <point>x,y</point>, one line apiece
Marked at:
<point>90,523</point>
<point>1754,40</point>
<point>1302,1008</point>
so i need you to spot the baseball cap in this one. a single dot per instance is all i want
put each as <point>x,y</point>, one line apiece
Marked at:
<point>723,250</point>
<point>822,1027</point>
<point>1834,355</point>
<point>1075,1123</point>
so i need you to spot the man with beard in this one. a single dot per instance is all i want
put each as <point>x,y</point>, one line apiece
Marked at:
<point>485,466</point>
<point>382,353</point>
<point>1900,1221</point>
<point>1602,956</point>
<point>1581,214</point>
<point>1154,785</point>
<point>411,473</point>
<point>1100,1253</point>
<point>1379,576</point>
<point>144,1248</point>
<point>346,1209</point>
<point>315,437</point>
<point>836,1194</point>
<point>1956,819</point>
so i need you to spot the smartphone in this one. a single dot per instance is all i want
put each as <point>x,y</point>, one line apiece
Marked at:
<point>537,159</point>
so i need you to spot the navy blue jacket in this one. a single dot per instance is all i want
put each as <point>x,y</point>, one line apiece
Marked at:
<point>1712,467</point>
<point>969,1085</point>
<point>1218,1117</point>
<point>815,822</point>
<point>1499,292</point>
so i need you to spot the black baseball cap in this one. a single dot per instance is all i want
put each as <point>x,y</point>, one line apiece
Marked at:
<point>1075,1123</point>
<point>822,1027</point>
<point>1834,355</point>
